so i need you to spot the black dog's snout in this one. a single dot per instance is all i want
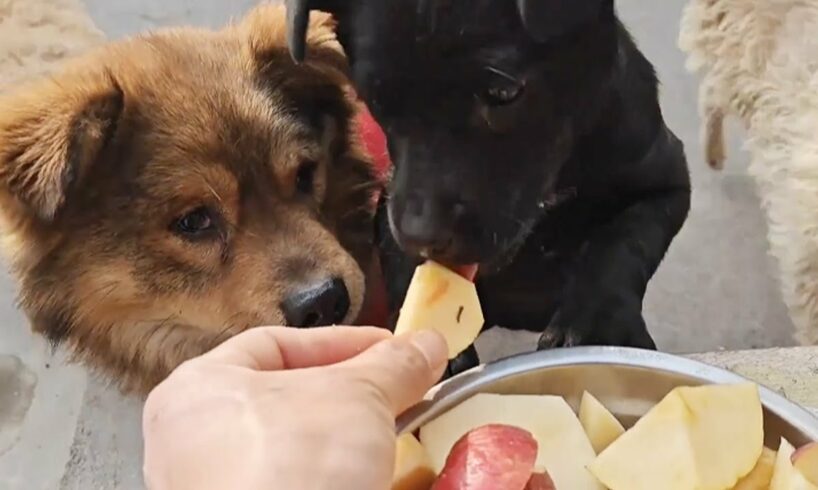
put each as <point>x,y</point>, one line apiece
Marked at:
<point>428,227</point>
<point>317,305</point>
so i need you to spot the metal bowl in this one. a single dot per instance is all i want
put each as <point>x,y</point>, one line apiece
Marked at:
<point>627,381</point>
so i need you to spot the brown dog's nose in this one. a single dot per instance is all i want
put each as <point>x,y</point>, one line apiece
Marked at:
<point>317,305</point>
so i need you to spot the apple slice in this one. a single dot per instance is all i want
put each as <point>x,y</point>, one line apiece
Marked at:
<point>540,480</point>
<point>705,438</point>
<point>443,300</point>
<point>563,446</point>
<point>762,474</point>
<point>413,471</point>
<point>599,423</point>
<point>785,476</point>
<point>491,457</point>
<point>805,460</point>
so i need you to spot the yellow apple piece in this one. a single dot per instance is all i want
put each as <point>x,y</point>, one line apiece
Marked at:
<point>599,423</point>
<point>696,438</point>
<point>785,476</point>
<point>563,447</point>
<point>762,474</point>
<point>443,300</point>
<point>805,460</point>
<point>413,470</point>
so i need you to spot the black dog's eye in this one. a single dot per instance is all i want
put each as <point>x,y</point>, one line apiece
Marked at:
<point>504,88</point>
<point>196,223</point>
<point>502,95</point>
<point>305,178</point>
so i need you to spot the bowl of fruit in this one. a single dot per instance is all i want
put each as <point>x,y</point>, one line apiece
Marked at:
<point>593,418</point>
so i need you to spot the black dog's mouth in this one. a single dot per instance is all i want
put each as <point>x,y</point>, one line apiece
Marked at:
<point>491,248</point>
<point>508,250</point>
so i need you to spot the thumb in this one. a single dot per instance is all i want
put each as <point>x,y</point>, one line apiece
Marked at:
<point>402,369</point>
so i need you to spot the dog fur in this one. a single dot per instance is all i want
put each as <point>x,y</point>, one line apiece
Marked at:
<point>758,60</point>
<point>166,191</point>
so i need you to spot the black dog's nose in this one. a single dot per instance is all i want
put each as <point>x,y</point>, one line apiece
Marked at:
<point>317,305</point>
<point>427,227</point>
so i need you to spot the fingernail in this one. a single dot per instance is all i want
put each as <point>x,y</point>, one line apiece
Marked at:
<point>432,345</point>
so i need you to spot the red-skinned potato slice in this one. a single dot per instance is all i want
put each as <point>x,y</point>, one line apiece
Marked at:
<point>491,457</point>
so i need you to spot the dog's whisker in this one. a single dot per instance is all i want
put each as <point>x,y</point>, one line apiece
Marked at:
<point>213,191</point>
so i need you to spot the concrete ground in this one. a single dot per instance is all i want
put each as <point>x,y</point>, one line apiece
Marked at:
<point>61,429</point>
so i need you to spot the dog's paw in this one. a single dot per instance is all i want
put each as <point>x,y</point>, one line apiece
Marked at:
<point>463,362</point>
<point>622,327</point>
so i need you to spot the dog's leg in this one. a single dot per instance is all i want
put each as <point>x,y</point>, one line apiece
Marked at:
<point>463,362</point>
<point>712,128</point>
<point>602,304</point>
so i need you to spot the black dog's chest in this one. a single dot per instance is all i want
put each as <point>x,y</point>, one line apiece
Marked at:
<point>525,297</point>
<point>525,294</point>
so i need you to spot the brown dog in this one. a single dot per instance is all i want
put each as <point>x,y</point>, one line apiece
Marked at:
<point>173,189</point>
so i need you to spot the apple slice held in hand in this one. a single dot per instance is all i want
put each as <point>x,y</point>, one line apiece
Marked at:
<point>443,300</point>
<point>491,457</point>
<point>805,460</point>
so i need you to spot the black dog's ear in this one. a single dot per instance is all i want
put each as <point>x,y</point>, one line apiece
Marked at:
<point>298,21</point>
<point>547,19</point>
<point>51,134</point>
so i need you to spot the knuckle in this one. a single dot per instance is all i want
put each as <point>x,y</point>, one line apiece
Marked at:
<point>408,357</point>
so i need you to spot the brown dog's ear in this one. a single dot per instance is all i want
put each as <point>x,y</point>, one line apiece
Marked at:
<point>545,20</point>
<point>265,30</point>
<point>298,22</point>
<point>51,133</point>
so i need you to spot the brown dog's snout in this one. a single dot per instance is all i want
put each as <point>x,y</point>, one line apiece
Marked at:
<point>323,304</point>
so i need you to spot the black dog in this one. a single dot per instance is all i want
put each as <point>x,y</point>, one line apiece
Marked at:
<point>526,137</point>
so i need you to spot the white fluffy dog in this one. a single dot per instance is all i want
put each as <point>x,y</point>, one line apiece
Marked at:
<point>759,62</point>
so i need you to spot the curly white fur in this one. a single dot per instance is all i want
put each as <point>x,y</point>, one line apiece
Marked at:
<point>759,62</point>
<point>36,35</point>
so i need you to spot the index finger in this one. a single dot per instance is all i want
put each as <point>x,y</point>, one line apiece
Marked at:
<point>277,348</point>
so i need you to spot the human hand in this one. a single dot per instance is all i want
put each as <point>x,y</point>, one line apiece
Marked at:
<point>280,408</point>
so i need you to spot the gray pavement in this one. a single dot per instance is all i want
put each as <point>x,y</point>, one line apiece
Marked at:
<point>60,428</point>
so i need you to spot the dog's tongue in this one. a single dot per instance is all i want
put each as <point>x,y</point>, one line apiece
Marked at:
<point>468,271</point>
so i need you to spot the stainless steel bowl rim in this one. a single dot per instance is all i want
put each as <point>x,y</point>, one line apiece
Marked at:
<point>467,383</point>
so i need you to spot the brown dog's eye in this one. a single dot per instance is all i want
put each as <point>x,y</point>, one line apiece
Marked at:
<point>196,224</point>
<point>305,178</point>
